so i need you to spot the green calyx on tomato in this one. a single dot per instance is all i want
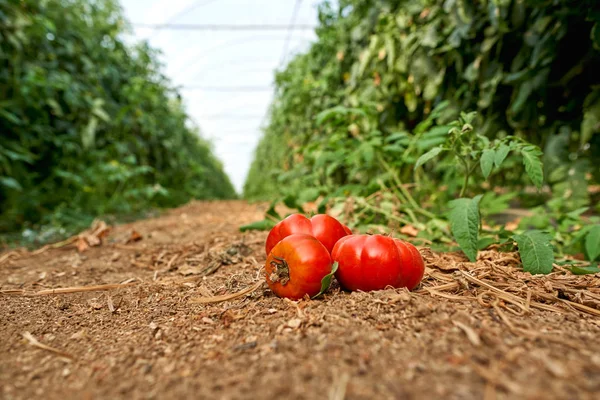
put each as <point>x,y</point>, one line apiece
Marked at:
<point>325,228</point>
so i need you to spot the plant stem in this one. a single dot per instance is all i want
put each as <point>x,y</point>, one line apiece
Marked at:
<point>384,212</point>
<point>407,210</point>
<point>467,174</point>
<point>404,191</point>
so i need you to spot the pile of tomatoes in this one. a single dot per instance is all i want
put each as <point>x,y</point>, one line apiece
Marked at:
<point>303,254</point>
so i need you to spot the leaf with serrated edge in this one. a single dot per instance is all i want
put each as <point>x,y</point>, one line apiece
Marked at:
<point>326,281</point>
<point>428,156</point>
<point>536,251</point>
<point>533,164</point>
<point>464,221</point>
<point>487,162</point>
<point>501,153</point>
<point>592,243</point>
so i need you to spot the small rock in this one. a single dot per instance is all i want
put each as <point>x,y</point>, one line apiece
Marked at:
<point>294,323</point>
<point>423,310</point>
<point>79,335</point>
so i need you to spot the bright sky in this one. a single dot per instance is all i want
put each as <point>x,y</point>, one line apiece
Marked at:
<point>213,61</point>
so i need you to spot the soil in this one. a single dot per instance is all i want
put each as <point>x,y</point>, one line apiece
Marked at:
<point>471,331</point>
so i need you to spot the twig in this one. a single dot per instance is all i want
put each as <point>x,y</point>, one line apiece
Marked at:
<point>110,304</point>
<point>471,334</point>
<point>125,247</point>
<point>449,296</point>
<point>12,292</point>
<point>171,261</point>
<point>77,289</point>
<point>508,295</point>
<point>11,254</point>
<point>338,389</point>
<point>226,297</point>
<point>497,379</point>
<point>446,286</point>
<point>34,342</point>
<point>578,306</point>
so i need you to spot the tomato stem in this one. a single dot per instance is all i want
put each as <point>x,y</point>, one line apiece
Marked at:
<point>281,272</point>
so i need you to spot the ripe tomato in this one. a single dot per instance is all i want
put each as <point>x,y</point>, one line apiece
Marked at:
<point>325,228</point>
<point>372,262</point>
<point>296,266</point>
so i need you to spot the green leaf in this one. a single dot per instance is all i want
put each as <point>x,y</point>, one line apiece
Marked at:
<point>368,152</point>
<point>88,136</point>
<point>337,111</point>
<point>591,122</point>
<point>264,225</point>
<point>398,136</point>
<point>10,183</point>
<point>272,212</point>
<point>428,156</point>
<point>484,242</point>
<point>308,195</point>
<point>592,243</point>
<point>595,35</point>
<point>501,153</point>
<point>55,107</point>
<point>10,116</point>
<point>533,164</point>
<point>291,201</point>
<point>391,51</point>
<point>326,281</point>
<point>590,269</point>
<point>536,251</point>
<point>522,95</point>
<point>575,214</point>
<point>487,162</point>
<point>366,55</point>
<point>464,222</point>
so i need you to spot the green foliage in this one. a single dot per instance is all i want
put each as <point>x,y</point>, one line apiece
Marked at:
<point>464,221</point>
<point>536,251</point>
<point>262,225</point>
<point>89,123</point>
<point>533,164</point>
<point>371,120</point>
<point>471,148</point>
<point>326,281</point>
<point>592,243</point>
<point>591,269</point>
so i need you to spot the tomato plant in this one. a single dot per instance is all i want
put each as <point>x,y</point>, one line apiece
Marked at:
<point>297,265</point>
<point>388,145</point>
<point>325,228</point>
<point>372,262</point>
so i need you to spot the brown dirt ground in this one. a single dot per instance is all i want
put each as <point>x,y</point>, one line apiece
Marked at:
<point>486,331</point>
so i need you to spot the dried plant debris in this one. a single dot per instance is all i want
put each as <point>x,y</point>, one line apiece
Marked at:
<point>184,312</point>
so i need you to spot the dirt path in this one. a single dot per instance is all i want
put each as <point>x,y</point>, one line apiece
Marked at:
<point>147,340</point>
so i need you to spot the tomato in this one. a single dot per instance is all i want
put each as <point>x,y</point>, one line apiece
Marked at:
<point>296,266</point>
<point>372,262</point>
<point>347,230</point>
<point>325,228</point>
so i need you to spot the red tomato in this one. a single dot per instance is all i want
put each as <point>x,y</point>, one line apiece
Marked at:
<point>296,266</point>
<point>325,228</point>
<point>347,230</point>
<point>372,262</point>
